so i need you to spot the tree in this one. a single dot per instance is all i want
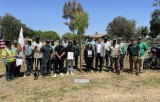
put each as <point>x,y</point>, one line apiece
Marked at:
<point>121,27</point>
<point>141,31</point>
<point>155,23</point>
<point>69,11</point>
<point>144,31</point>
<point>156,3</point>
<point>77,21</point>
<point>70,36</point>
<point>81,21</point>
<point>51,35</point>
<point>11,28</point>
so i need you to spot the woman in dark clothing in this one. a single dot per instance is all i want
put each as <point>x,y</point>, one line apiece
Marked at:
<point>88,57</point>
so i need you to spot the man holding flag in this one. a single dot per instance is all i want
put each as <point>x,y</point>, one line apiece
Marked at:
<point>20,49</point>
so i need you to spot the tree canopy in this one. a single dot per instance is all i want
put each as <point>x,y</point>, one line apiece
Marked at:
<point>69,12</point>
<point>121,27</point>
<point>11,28</point>
<point>155,23</point>
<point>70,36</point>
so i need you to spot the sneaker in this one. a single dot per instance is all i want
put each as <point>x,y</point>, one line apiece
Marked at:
<point>61,74</point>
<point>71,73</point>
<point>67,73</point>
<point>55,75</point>
<point>137,73</point>
<point>8,80</point>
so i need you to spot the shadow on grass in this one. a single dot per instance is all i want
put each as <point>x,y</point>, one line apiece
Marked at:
<point>2,75</point>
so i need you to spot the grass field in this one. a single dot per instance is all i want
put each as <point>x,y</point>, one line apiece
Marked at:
<point>104,87</point>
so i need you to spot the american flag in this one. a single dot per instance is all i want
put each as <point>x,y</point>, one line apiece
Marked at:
<point>1,40</point>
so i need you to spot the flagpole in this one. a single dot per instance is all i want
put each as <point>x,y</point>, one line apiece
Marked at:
<point>23,62</point>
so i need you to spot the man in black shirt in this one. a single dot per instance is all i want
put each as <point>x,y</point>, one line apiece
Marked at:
<point>59,60</point>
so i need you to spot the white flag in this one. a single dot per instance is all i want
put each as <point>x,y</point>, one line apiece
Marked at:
<point>21,38</point>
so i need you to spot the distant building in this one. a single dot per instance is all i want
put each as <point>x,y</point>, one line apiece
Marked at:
<point>96,36</point>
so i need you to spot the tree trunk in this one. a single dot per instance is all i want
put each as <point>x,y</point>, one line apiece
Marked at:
<point>80,42</point>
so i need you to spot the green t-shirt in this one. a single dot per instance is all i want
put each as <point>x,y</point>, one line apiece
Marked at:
<point>133,49</point>
<point>46,50</point>
<point>143,47</point>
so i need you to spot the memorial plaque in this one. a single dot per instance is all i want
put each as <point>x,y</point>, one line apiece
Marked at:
<point>81,80</point>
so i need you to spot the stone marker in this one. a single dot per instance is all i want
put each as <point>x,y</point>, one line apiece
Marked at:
<point>81,81</point>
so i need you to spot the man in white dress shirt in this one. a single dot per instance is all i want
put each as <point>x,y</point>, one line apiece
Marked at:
<point>107,48</point>
<point>99,54</point>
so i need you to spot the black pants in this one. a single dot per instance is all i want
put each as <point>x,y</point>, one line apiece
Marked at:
<point>100,60</point>
<point>60,63</point>
<point>107,58</point>
<point>29,63</point>
<point>89,63</point>
<point>10,70</point>
<point>45,66</point>
<point>53,60</point>
<point>17,71</point>
<point>76,62</point>
<point>121,61</point>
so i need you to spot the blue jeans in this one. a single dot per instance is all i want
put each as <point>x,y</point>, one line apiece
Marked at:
<point>29,63</point>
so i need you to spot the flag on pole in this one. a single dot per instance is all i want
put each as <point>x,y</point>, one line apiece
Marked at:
<point>1,40</point>
<point>21,41</point>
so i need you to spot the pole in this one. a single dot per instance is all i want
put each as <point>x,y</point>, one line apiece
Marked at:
<point>80,53</point>
<point>23,58</point>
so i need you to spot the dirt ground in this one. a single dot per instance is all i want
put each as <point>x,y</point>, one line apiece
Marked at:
<point>104,87</point>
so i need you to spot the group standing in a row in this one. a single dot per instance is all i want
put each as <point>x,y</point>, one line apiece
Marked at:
<point>63,58</point>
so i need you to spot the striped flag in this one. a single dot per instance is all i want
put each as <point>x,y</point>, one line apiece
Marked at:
<point>1,40</point>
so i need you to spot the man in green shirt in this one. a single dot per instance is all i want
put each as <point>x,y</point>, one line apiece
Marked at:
<point>143,48</point>
<point>133,51</point>
<point>46,59</point>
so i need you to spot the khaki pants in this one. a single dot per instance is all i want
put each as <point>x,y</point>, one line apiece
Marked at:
<point>133,60</point>
<point>140,63</point>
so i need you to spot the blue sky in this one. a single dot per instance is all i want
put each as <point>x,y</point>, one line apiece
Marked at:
<point>47,14</point>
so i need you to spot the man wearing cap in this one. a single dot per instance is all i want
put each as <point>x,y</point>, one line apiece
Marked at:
<point>60,55</point>
<point>46,59</point>
<point>99,54</point>
<point>133,51</point>
<point>36,46</point>
<point>9,59</point>
<point>70,54</point>
<point>53,56</point>
<point>90,41</point>
<point>65,42</point>
<point>143,47</point>
<point>29,53</point>
<point>114,57</point>
<point>122,52</point>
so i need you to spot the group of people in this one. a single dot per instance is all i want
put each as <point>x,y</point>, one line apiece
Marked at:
<point>114,52</point>
<point>63,58</point>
